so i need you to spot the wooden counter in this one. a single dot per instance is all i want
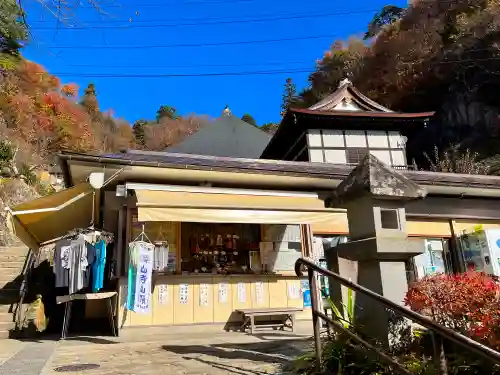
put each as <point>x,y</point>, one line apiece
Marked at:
<point>261,291</point>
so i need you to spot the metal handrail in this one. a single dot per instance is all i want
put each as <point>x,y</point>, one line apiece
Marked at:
<point>470,344</point>
<point>26,272</point>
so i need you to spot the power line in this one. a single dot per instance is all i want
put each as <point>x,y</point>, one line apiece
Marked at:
<point>218,74</point>
<point>139,6</point>
<point>271,63</point>
<point>214,21</point>
<point>196,45</point>
<point>113,75</point>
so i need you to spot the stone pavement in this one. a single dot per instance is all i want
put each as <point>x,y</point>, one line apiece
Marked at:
<point>170,350</point>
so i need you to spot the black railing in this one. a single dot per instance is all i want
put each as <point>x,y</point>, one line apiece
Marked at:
<point>439,332</point>
<point>23,289</point>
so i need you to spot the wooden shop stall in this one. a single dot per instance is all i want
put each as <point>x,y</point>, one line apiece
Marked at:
<point>216,251</point>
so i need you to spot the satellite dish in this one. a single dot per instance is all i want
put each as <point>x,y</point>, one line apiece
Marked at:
<point>96,179</point>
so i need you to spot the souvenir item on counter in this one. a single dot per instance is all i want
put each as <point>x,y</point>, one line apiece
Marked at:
<point>193,245</point>
<point>219,241</point>
<point>235,241</point>
<point>229,242</point>
<point>204,242</point>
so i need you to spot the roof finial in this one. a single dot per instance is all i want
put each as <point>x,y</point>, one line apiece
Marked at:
<point>344,82</point>
<point>226,111</point>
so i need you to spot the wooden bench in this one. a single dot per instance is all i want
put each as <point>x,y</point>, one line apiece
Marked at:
<point>279,318</point>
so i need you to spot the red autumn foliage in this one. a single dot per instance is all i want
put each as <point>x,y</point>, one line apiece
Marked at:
<point>468,303</point>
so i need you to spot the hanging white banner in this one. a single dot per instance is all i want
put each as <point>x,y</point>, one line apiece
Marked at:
<point>142,302</point>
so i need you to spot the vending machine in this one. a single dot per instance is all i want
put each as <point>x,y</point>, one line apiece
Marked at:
<point>481,251</point>
<point>433,260</point>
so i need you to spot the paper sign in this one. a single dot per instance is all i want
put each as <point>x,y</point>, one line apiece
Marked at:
<point>183,293</point>
<point>259,292</point>
<point>223,288</point>
<point>242,297</point>
<point>163,294</point>
<point>203,294</point>
<point>293,291</point>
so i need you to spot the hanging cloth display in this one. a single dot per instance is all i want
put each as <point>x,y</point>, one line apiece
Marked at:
<point>160,252</point>
<point>139,274</point>
<point>98,266</point>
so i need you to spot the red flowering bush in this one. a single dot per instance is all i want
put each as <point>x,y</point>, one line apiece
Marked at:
<point>468,303</point>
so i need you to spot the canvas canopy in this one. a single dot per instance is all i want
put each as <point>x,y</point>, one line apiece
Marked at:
<point>185,206</point>
<point>44,219</point>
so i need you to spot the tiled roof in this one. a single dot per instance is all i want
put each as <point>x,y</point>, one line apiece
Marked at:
<point>273,167</point>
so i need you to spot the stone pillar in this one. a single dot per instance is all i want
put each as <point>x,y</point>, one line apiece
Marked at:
<point>374,196</point>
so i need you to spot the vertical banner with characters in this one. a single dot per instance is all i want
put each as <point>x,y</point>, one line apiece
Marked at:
<point>142,303</point>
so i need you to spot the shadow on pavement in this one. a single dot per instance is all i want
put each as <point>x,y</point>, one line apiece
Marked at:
<point>229,368</point>
<point>278,351</point>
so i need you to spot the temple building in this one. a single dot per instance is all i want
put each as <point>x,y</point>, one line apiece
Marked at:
<point>343,128</point>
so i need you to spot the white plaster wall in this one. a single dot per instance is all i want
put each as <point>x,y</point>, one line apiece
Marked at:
<point>355,138</point>
<point>377,139</point>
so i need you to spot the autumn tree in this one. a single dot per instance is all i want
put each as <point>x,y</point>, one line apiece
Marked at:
<point>289,92</point>
<point>249,119</point>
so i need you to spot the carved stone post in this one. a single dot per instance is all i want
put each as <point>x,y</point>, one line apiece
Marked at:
<point>374,196</point>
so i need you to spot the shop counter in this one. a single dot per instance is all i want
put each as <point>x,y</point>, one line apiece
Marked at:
<point>206,298</point>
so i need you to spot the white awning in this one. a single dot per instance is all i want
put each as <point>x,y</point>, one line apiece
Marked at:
<point>218,205</point>
<point>52,216</point>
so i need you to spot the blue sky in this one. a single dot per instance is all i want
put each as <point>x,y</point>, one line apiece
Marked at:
<point>128,43</point>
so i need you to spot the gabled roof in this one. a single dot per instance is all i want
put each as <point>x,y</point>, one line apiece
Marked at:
<point>348,98</point>
<point>228,136</point>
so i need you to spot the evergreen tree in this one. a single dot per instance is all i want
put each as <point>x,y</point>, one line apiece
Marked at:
<point>89,100</point>
<point>12,29</point>
<point>249,119</point>
<point>288,95</point>
<point>139,132</point>
<point>166,111</point>
<point>270,127</point>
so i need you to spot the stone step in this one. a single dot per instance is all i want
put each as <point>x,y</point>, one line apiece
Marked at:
<point>17,263</point>
<point>12,258</point>
<point>6,317</point>
<point>15,251</point>
<point>7,326</point>
<point>4,334</point>
<point>9,279</point>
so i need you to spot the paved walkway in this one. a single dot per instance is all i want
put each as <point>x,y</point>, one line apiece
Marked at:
<point>173,350</point>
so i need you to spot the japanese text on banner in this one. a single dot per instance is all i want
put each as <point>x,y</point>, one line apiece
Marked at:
<point>143,281</point>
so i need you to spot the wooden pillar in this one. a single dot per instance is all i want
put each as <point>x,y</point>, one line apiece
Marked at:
<point>128,237</point>
<point>457,256</point>
<point>120,248</point>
